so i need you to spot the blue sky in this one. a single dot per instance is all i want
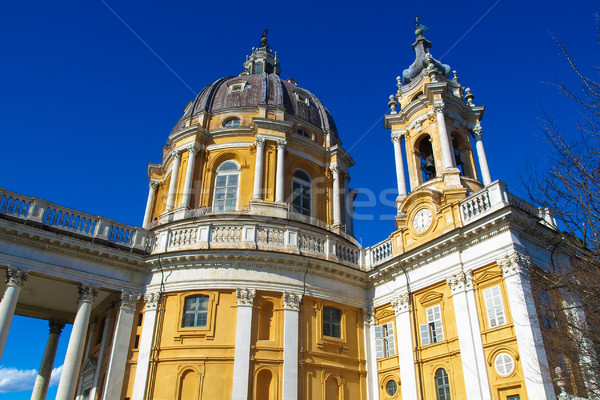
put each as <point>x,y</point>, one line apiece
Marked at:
<point>86,105</point>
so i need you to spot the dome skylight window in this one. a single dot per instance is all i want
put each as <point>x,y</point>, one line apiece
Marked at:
<point>232,123</point>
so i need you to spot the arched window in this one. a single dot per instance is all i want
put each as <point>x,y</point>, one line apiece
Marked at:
<point>457,156</point>
<point>425,153</point>
<point>232,122</point>
<point>226,187</point>
<point>442,385</point>
<point>332,322</point>
<point>301,193</point>
<point>195,311</point>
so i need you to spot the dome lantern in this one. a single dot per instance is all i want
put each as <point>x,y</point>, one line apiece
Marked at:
<point>262,59</point>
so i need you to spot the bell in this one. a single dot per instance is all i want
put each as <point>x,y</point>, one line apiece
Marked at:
<point>429,167</point>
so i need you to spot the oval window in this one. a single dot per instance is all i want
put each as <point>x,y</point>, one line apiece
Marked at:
<point>391,388</point>
<point>232,122</point>
<point>504,364</point>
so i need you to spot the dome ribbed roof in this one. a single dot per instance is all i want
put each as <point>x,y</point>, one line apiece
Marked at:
<point>259,89</point>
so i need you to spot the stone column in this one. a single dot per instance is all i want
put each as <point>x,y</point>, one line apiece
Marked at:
<point>536,371</point>
<point>145,348</point>
<point>115,372</point>
<point>406,346</point>
<point>72,365</point>
<point>14,282</point>
<point>335,198</point>
<point>400,178</point>
<point>447,159</point>
<point>371,353</point>
<point>149,203</point>
<point>189,175</point>
<point>173,183</point>
<point>103,344</point>
<point>347,204</point>
<point>258,168</point>
<point>241,362</point>
<point>483,164</point>
<point>469,337</point>
<point>42,380</point>
<point>279,181</point>
<point>291,308</point>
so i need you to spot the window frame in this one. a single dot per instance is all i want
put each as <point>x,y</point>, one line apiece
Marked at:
<point>227,174</point>
<point>433,331</point>
<point>195,331</point>
<point>232,122</point>
<point>492,308</point>
<point>385,340</point>
<point>504,356</point>
<point>327,319</point>
<point>445,384</point>
<point>302,184</point>
<point>196,313</point>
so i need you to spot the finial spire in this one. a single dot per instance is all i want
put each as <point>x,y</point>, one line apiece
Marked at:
<point>263,39</point>
<point>420,27</point>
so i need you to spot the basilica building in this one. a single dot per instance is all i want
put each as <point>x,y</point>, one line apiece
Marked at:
<point>245,280</point>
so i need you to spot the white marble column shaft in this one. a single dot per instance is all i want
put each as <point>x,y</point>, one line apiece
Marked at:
<point>103,344</point>
<point>406,347</point>
<point>483,164</point>
<point>72,365</point>
<point>173,184</point>
<point>145,347</point>
<point>279,178</point>
<point>113,384</point>
<point>14,282</point>
<point>469,337</point>
<point>371,354</point>
<point>149,203</point>
<point>291,308</point>
<point>258,169</point>
<point>40,388</point>
<point>243,330</point>
<point>536,371</point>
<point>189,175</point>
<point>447,159</point>
<point>335,198</point>
<point>400,178</point>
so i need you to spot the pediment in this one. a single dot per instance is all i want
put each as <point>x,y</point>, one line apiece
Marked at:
<point>431,298</point>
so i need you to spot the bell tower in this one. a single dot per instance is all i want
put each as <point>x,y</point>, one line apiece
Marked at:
<point>433,123</point>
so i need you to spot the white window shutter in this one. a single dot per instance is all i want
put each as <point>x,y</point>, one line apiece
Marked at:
<point>379,341</point>
<point>425,334</point>
<point>391,341</point>
<point>439,332</point>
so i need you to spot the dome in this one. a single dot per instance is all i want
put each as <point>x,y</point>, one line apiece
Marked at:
<point>248,92</point>
<point>259,85</point>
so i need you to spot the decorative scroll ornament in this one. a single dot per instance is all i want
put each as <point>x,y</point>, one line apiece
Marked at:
<point>259,142</point>
<point>514,264</point>
<point>151,300</point>
<point>396,137</point>
<point>368,315</point>
<point>87,293</point>
<point>281,144</point>
<point>129,300</point>
<point>15,276</point>
<point>477,131</point>
<point>461,281</point>
<point>291,301</point>
<point>245,297</point>
<point>335,170</point>
<point>439,107</point>
<point>192,150</point>
<point>153,185</point>
<point>401,303</point>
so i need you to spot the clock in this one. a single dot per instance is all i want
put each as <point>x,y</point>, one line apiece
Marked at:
<point>422,220</point>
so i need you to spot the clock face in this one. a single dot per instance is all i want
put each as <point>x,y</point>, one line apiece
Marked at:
<point>422,220</point>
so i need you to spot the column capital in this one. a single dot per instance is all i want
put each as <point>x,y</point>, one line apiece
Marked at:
<point>16,277</point>
<point>335,169</point>
<point>151,300</point>
<point>368,315</point>
<point>291,301</point>
<point>177,153</point>
<point>397,137</point>
<point>260,141</point>
<point>245,297</point>
<point>401,303</point>
<point>513,264</point>
<point>281,144</point>
<point>129,300</point>
<point>56,326</point>
<point>153,185</point>
<point>192,150</point>
<point>439,107</point>
<point>461,281</point>
<point>476,131</point>
<point>87,293</point>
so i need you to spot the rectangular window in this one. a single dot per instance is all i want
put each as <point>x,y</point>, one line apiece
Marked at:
<point>548,317</point>
<point>140,319</point>
<point>332,322</point>
<point>136,343</point>
<point>195,311</point>
<point>494,307</point>
<point>384,340</point>
<point>432,331</point>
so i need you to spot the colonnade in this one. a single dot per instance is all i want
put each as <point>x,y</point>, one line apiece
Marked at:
<point>446,150</point>
<point>67,386</point>
<point>338,186</point>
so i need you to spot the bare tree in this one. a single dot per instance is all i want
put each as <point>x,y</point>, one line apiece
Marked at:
<point>570,189</point>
